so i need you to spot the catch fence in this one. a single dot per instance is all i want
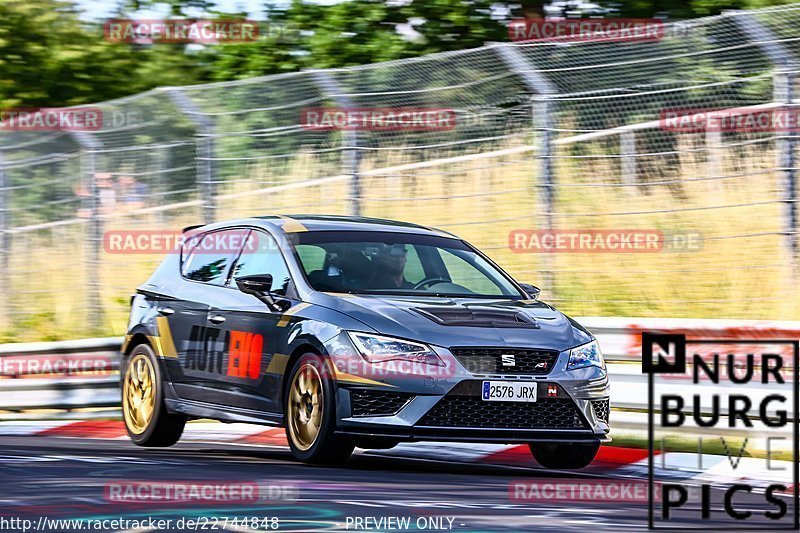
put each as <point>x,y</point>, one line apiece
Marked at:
<point>556,136</point>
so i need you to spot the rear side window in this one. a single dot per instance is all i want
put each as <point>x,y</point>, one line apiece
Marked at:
<point>211,257</point>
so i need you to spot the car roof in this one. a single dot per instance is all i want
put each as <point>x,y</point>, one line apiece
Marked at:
<point>298,223</point>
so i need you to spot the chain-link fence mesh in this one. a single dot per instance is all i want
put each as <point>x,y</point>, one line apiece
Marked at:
<point>565,135</point>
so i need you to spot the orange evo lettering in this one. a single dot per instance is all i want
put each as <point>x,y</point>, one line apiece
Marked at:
<point>245,350</point>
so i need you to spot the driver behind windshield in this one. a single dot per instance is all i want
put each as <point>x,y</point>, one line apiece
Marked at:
<point>389,262</point>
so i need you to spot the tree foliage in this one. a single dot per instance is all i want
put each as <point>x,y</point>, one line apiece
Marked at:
<point>50,56</point>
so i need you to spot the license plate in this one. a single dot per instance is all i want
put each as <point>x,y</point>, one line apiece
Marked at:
<point>504,391</point>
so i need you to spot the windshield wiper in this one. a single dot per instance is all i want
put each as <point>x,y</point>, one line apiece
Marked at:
<point>389,292</point>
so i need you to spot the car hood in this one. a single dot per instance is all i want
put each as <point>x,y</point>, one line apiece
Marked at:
<point>401,317</point>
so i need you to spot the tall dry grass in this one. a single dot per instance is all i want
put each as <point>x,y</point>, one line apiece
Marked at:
<point>740,272</point>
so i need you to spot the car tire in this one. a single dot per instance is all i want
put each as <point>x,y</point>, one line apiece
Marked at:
<point>564,456</point>
<point>310,413</point>
<point>143,409</point>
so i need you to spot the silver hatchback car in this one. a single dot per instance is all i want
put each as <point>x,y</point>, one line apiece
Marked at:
<point>361,332</point>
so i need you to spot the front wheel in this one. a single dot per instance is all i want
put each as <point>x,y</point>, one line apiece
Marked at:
<point>146,418</point>
<point>310,413</point>
<point>564,456</point>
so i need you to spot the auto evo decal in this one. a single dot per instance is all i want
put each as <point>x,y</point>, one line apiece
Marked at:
<point>126,343</point>
<point>344,377</point>
<point>233,353</point>
<point>244,354</point>
<point>287,315</point>
<point>162,342</point>
<point>277,364</point>
<point>291,225</point>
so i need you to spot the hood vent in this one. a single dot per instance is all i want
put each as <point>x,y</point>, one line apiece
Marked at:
<point>477,317</point>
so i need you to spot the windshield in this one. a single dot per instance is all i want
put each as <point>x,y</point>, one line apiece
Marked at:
<point>397,263</point>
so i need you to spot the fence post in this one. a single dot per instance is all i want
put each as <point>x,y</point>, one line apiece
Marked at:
<point>782,89</point>
<point>785,144</point>
<point>90,147</point>
<point>543,124</point>
<point>204,151</point>
<point>542,114</point>
<point>161,167</point>
<point>5,249</point>
<point>351,155</point>
<point>714,155</point>
<point>627,148</point>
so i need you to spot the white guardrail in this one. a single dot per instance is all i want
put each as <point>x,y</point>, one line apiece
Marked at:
<point>79,378</point>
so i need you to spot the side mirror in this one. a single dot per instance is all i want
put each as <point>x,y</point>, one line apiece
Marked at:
<point>256,284</point>
<point>260,286</point>
<point>532,290</point>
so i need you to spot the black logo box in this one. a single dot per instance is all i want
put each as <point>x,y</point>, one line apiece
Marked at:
<point>675,345</point>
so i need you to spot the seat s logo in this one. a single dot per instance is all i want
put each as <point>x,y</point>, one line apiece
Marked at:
<point>508,359</point>
<point>244,354</point>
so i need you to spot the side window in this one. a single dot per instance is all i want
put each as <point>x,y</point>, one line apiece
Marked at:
<point>413,272</point>
<point>213,255</point>
<point>467,275</point>
<point>262,255</point>
<point>312,257</point>
<point>190,241</point>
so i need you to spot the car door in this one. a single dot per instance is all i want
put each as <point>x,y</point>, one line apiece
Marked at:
<point>179,314</point>
<point>195,334</point>
<point>251,332</point>
<point>178,322</point>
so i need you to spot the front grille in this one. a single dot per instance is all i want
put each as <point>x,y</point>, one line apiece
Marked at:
<point>376,403</point>
<point>473,412</point>
<point>478,318</point>
<point>491,360</point>
<point>602,409</point>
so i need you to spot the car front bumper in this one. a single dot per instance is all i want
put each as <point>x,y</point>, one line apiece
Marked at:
<point>446,405</point>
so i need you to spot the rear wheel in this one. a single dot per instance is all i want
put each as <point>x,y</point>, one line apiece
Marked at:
<point>310,413</point>
<point>564,456</point>
<point>146,418</point>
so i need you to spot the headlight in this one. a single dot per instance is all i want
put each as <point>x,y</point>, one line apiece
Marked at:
<point>586,355</point>
<point>379,349</point>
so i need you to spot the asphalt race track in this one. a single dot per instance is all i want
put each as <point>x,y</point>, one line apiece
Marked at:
<point>60,478</point>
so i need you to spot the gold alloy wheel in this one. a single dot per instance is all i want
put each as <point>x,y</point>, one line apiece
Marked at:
<point>305,407</point>
<point>139,394</point>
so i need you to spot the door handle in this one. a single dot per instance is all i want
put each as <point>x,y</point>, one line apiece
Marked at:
<point>165,311</point>
<point>216,319</point>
